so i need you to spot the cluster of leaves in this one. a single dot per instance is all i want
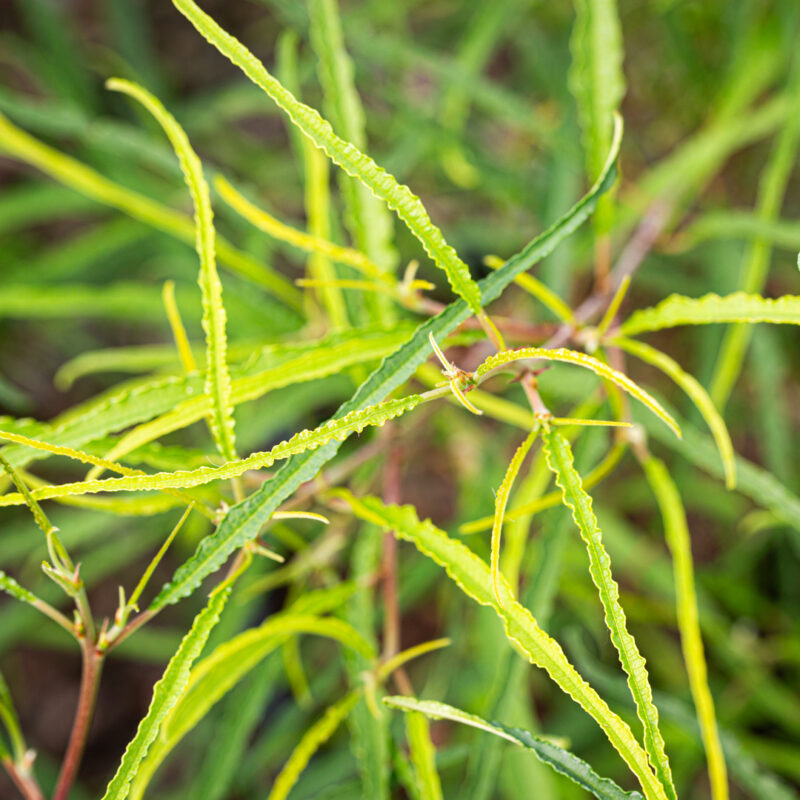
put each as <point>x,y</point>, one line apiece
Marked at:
<point>260,361</point>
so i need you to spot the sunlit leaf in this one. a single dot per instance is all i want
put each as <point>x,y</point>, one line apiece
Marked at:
<point>561,462</point>
<point>738,307</point>
<point>582,360</point>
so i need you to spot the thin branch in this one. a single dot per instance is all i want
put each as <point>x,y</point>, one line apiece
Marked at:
<point>92,662</point>
<point>634,253</point>
<point>25,782</point>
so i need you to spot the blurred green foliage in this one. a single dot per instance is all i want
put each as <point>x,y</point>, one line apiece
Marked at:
<point>499,117</point>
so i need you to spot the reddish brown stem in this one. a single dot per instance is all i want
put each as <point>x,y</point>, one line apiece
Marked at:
<point>26,784</point>
<point>602,263</point>
<point>132,626</point>
<point>92,663</point>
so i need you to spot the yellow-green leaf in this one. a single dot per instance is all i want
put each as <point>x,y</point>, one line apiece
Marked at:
<point>397,196</point>
<point>560,460</point>
<point>679,542</point>
<point>738,307</point>
<point>473,577</point>
<point>581,360</point>
<point>218,382</point>
<point>699,396</point>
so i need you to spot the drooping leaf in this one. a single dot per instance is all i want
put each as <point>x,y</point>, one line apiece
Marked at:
<point>217,382</point>
<point>582,360</point>
<point>737,307</point>
<point>752,480</point>
<point>397,196</point>
<point>473,577</point>
<point>679,542</point>
<point>551,754</point>
<point>561,462</point>
<point>551,499</point>
<point>500,502</point>
<point>696,392</point>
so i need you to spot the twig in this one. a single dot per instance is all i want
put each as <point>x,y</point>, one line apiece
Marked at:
<point>132,626</point>
<point>92,663</point>
<point>637,248</point>
<point>26,783</point>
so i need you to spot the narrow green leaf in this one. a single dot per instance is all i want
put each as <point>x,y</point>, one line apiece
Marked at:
<point>369,739</point>
<point>581,360</point>
<point>754,481</point>
<point>772,188</point>
<point>423,756</point>
<point>166,693</point>
<point>86,458</point>
<point>534,287</point>
<point>245,519</point>
<point>27,497</point>
<point>334,430</point>
<point>500,502</point>
<point>214,676</point>
<point>141,359</point>
<point>397,196</point>
<point>560,460</point>
<point>679,542</point>
<point>367,219</point>
<point>112,411</point>
<point>297,238</point>
<point>473,577</point>
<point>311,741</point>
<point>293,364</point>
<point>551,499</point>
<point>218,383</point>
<point>749,774</point>
<point>699,396</point>
<point>597,82</point>
<point>558,758</point>
<point>270,366</point>
<point>737,224</point>
<point>11,587</point>
<point>178,330</point>
<point>737,307</point>
<point>11,722</point>
<point>317,199</point>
